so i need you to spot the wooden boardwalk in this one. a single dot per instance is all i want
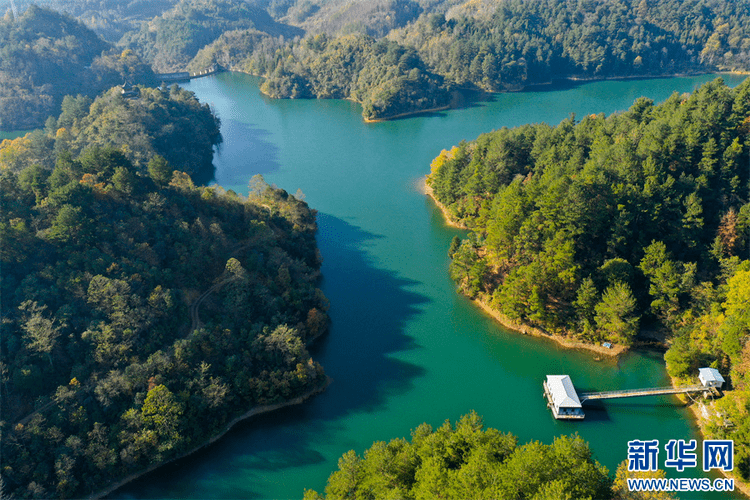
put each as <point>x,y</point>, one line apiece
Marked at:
<point>631,393</point>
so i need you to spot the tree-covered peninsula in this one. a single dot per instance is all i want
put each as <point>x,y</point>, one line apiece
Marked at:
<point>45,55</point>
<point>142,314</point>
<point>464,461</point>
<point>596,228</point>
<point>142,122</point>
<point>388,79</point>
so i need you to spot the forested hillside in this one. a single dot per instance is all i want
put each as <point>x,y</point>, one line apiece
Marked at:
<point>170,41</point>
<point>386,78</point>
<point>492,46</point>
<point>45,55</point>
<point>466,460</point>
<point>338,49</point>
<point>596,227</point>
<point>167,122</point>
<point>141,313</point>
<point>375,18</point>
<point>529,42</point>
<point>109,18</point>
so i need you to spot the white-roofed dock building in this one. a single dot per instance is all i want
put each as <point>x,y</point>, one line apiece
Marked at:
<point>565,402</point>
<point>562,398</point>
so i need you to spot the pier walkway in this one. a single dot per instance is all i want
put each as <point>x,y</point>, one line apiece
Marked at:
<point>565,402</point>
<point>631,393</point>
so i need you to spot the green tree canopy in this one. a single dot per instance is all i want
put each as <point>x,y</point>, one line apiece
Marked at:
<point>466,460</point>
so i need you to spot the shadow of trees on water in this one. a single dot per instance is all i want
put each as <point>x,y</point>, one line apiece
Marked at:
<point>256,151</point>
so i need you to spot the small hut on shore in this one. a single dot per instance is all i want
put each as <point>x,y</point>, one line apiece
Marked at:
<point>710,377</point>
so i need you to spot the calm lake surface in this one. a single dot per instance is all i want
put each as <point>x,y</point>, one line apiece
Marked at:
<point>13,134</point>
<point>404,348</point>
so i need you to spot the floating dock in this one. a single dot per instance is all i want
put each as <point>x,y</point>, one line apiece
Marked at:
<point>566,404</point>
<point>562,398</point>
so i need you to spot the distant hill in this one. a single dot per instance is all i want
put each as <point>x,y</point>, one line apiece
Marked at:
<point>375,18</point>
<point>172,39</point>
<point>506,45</point>
<point>488,45</point>
<point>480,44</point>
<point>109,18</point>
<point>45,55</point>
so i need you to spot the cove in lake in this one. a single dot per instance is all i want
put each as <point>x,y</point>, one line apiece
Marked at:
<point>13,134</point>
<point>404,347</point>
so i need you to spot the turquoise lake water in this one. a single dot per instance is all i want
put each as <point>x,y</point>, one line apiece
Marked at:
<point>13,134</point>
<point>404,347</point>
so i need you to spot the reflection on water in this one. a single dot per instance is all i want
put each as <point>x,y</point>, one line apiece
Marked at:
<point>252,144</point>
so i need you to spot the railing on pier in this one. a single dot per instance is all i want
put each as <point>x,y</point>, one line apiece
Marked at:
<point>631,393</point>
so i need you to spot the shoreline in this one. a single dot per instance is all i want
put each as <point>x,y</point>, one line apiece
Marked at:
<point>527,87</point>
<point>641,77</point>
<point>427,190</point>
<point>522,328</point>
<point>633,77</point>
<point>696,408</point>
<point>370,120</point>
<point>251,413</point>
<point>258,410</point>
<point>700,422</point>
<point>565,342</point>
<point>524,88</point>
<point>407,114</point>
